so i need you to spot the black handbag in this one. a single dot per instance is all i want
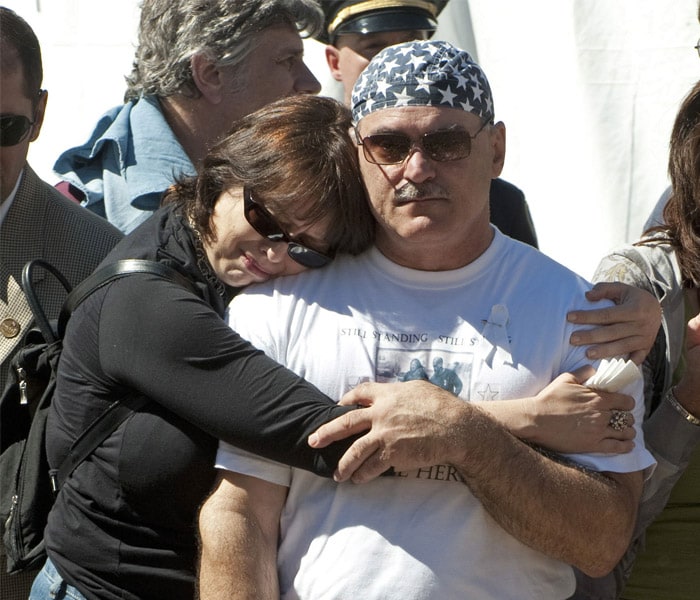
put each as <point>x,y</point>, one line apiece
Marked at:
<point>27,486</point>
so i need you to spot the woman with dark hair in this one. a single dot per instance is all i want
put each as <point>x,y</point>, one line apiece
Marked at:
<point>281,193</point>
<point>663,561</point>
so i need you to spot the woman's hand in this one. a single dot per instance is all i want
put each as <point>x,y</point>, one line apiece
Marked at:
<point>567,416</point>
<point>687,392</point>
<point>629,327</point>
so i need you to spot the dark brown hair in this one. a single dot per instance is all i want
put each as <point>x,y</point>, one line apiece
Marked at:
<point>19,37</point>
<point>682,211</point>
<point>297,157</point>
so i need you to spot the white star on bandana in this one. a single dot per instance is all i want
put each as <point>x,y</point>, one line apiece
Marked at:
<point>382,87</point>
<point>402,98</point>
<point>448,96</point>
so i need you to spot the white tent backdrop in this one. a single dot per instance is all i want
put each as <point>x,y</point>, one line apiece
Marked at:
<point>588,90</point>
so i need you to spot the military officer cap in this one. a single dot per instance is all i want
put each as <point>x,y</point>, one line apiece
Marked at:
<point>372,16</point>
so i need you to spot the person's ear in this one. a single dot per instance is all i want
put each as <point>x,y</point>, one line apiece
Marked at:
<point>39,113</point>
<point>498,143</point>
<point>207,77</point>
<point>333,60</point>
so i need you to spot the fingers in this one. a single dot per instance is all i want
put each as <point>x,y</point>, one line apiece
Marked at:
<point>595,316</point>
<point>583,373</point>
<point>612,446</point>
<point>638,356</point>
<point>608,290</point>
<point>628,328</point>
<point>361,462</point>
<point>616,401</point>
<point>362,395</point>
<point>619,339</point>
<point>635,347</point>
<point>351,423</point>
<point>692,338</point>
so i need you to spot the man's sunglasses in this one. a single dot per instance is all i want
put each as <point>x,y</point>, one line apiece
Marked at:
<point>13,129</point>
<point>395,148</point>
<point>264,223</point>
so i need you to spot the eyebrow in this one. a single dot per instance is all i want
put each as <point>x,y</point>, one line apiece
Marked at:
<point>387,129</point>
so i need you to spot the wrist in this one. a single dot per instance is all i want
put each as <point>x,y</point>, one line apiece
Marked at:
<point>680,408</point>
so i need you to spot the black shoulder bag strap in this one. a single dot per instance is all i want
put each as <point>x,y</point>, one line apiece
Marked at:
<point>102,427</point>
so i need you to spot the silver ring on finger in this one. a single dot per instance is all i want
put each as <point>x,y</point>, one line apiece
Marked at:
<point>620,419</point>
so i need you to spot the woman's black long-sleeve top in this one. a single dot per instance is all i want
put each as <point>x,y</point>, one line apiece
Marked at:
<point>124,524</point>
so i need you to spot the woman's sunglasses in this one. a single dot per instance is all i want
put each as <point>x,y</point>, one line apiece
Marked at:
<point>264,223</point>
<point>13,129</point>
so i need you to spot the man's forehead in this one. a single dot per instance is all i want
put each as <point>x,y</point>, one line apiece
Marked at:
<point>278,39</point>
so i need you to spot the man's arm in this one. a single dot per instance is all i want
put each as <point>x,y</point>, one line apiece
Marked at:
<point>239,529</point>
<point>582,518</point>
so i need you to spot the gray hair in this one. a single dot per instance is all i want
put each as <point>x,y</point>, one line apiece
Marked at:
<point>171,32</point>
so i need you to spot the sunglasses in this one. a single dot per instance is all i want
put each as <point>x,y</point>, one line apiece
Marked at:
<point>264,223</point>
<point>395,148</point>
<point>13,129</point>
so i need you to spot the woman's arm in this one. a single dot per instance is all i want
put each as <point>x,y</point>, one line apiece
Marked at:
<point>157,338</point>
<point>567,416</point>
<point>628,328</point>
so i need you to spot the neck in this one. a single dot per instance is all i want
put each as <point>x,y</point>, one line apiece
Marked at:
<point>186,118</point>
<point>434,256</point>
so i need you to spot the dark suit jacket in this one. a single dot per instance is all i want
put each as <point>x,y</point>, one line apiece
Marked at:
<point>41,223</point>
<point>510,212</point>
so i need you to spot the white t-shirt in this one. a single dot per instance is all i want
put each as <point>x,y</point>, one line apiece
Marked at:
<point>500,325</point>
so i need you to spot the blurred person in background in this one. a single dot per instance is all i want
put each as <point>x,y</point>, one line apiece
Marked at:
<point>198,68</point>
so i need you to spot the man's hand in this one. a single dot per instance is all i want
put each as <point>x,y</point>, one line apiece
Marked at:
<point>630,327</point>
<point>409,425</point>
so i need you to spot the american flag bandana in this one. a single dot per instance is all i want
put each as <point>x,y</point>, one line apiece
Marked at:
<point>422,73</point>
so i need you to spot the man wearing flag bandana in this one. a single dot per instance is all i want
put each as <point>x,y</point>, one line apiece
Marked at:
<point>356,30</point>
<point>465,509</point>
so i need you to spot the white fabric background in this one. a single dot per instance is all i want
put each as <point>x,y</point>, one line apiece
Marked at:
<point>588,90</point>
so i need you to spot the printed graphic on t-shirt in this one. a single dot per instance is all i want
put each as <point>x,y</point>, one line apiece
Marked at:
<point>402,358</point>
<point>449,370</point>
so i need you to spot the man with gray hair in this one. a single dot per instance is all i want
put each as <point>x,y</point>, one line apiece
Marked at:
<point>199,66</point>
<point>465,509</point>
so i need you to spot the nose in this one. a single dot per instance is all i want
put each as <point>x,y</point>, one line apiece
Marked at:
<point>305,82</point>
<point>417,166</point>
<point>276,252</point>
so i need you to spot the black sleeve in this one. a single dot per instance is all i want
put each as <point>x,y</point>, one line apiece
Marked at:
<point>161,340</point>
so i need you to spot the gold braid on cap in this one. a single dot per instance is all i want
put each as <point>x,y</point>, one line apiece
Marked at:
<point>361,7</point>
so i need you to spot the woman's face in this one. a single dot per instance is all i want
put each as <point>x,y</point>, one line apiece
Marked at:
<point>239,255</point>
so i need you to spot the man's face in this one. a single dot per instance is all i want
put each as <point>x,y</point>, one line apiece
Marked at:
<point>275,69</point>
<point>432,215</point>
<point>14,102</point>
<point>353,51</point>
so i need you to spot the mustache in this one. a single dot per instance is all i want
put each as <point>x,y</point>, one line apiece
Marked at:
<point>417,191</point>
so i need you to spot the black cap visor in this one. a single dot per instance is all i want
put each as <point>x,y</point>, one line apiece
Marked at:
<point>388,20</point>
